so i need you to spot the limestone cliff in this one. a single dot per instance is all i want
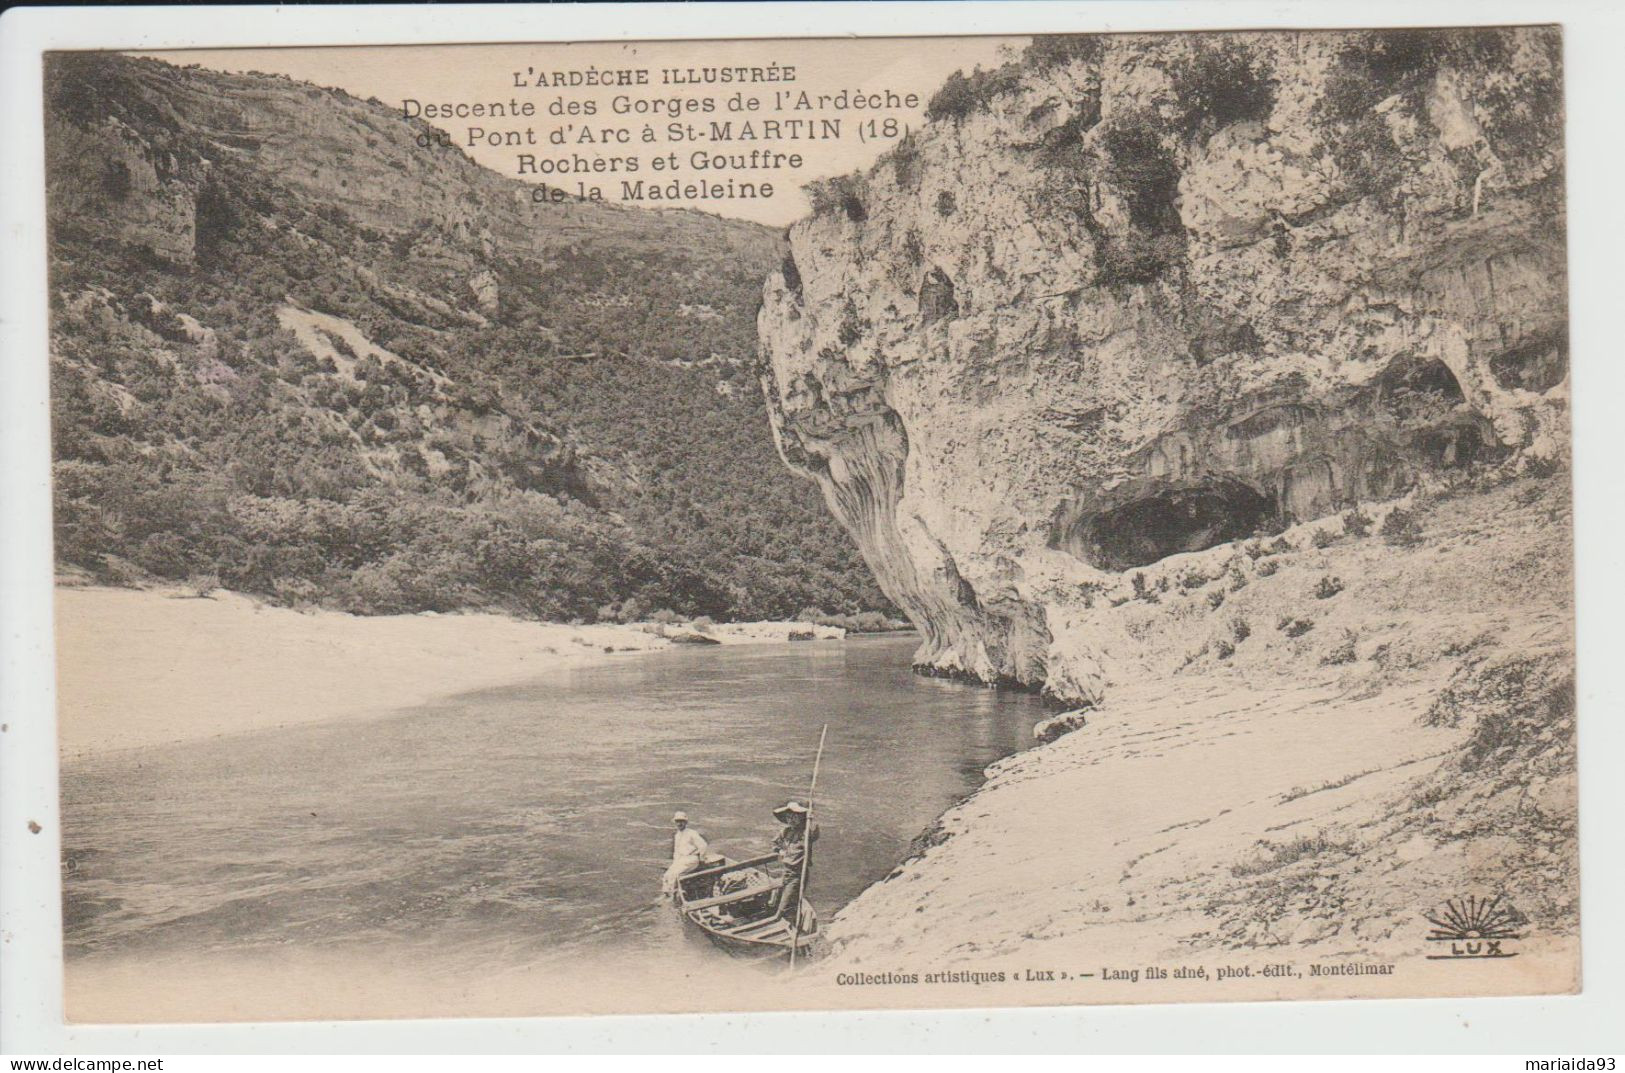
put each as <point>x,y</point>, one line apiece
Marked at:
<point>1135,296</point>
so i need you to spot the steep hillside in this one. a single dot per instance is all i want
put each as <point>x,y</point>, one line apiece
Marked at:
<point>297,355</point>
<point>1136,296</point>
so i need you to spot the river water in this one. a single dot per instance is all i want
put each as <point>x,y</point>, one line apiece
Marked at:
<point>520,824</point>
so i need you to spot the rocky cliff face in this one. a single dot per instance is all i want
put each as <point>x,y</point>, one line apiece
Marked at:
<point>171,159</point>
<point>1137,296</point>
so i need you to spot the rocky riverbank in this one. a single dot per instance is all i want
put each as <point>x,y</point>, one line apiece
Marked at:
<point>1346,732</point>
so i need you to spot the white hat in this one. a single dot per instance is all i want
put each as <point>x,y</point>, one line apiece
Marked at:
<point>679,817</point>
<point>790,806</point>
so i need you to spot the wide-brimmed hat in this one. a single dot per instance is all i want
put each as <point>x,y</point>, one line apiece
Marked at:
<point>679,817</point>
<point>791,806</point>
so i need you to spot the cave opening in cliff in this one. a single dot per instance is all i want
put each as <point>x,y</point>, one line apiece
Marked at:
<point>1537,365</point>
<point>1418,393</point>
<point>937,301</point>
<point>1458,445</point>
<point>1423,377</point>
<point>1172,521</point>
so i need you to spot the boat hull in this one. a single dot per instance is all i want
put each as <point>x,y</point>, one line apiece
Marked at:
<point>743,924</point>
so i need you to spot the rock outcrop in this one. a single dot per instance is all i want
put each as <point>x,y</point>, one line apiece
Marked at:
<point>1131,297</point>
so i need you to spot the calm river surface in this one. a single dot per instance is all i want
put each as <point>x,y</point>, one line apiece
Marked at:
<point>523,823</point>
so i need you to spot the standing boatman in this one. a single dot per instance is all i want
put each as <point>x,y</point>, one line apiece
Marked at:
<point>794,847</point>
<point>688,852</point>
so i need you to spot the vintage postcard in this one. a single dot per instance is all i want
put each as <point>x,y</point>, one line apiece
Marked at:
<point>812,524</point>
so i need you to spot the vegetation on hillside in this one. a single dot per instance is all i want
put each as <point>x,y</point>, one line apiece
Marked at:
<point>586,438</point>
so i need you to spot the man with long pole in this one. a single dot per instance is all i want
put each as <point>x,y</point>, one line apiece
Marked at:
<point>795,880</point>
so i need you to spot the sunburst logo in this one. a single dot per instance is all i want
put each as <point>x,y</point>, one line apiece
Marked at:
<point>1475,927</point>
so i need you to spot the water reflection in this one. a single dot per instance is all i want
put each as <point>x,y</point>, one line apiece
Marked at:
<point>518,824</point>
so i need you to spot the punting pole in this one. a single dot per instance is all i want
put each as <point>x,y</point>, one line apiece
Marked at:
<point>806,854</point>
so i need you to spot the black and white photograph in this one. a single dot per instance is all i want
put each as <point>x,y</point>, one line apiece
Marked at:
<point>688,526</point>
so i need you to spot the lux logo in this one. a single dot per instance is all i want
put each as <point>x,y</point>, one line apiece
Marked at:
<point>1474,928</point>
<point>1491,949</point>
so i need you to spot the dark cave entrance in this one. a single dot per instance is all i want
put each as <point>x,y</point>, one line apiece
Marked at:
<point>1538,365</point>
<point>1457,446</point>
<point>1422,378</point>
<point>1172,521</point>
<point>937,300</point>
<point>1418,393</point>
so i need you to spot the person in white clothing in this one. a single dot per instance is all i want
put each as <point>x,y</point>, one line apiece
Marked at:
<point>688,852</point>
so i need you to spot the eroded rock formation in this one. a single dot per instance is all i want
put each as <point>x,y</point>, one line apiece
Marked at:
<point>1134,296</point>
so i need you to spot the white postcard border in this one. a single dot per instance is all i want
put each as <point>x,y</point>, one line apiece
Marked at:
<point>30,937</point>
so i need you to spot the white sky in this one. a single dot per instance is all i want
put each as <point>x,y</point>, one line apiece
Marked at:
<point>485,73</point>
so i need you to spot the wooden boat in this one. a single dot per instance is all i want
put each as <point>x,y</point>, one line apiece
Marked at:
<point>742,922</point>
